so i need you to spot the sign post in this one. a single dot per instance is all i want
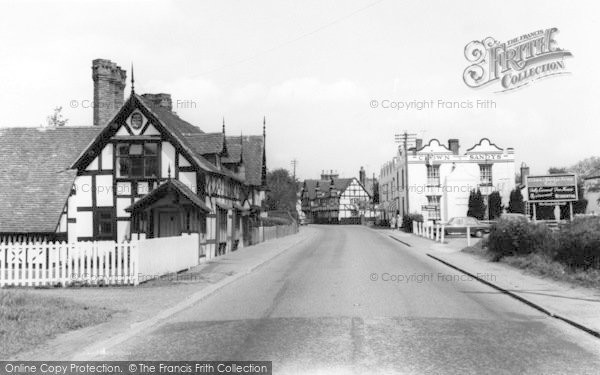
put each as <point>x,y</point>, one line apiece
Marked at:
<point>553,189</point>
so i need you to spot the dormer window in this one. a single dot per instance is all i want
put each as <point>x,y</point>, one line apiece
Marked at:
<point>137,160</point>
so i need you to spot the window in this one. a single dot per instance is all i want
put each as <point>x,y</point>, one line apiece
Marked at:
<point>433,175</point>
<point>104,223</point>
<point>433,207</point>
<point>485,174</point>
<point>137,160</point>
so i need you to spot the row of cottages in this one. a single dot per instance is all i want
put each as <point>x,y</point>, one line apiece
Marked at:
<point>335,200</point>
<point>144,172</point>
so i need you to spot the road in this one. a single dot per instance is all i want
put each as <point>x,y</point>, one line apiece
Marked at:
<point>330,305</point>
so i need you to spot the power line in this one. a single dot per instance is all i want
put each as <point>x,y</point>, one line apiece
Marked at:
<point>292,40</point>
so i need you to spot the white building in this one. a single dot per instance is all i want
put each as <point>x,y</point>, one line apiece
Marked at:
<point>440,178</point>
<point>391,187</point>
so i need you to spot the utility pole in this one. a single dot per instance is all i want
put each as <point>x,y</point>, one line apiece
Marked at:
<point>404,138</point>
<point>294,162</point>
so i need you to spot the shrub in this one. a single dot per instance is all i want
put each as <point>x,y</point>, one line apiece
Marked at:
<point>518,237</point>
<point>273,221</point>
<point>579,243</point>
<point>407,221</point>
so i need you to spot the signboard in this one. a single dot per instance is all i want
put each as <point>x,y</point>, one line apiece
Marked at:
<point>552,188</point>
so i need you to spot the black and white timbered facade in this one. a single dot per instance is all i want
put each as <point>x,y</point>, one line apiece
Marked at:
<point>144,173</point>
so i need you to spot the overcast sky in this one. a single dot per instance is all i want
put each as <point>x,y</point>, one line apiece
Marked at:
<point>312,68</point>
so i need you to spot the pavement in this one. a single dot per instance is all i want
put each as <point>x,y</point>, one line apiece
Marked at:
<point>577,305</point>
<point>353,300</point>
<point>137,308</point>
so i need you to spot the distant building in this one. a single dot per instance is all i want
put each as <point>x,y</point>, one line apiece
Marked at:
<point>591,192</point>
<point>439,178</point>
<point>392,199</point>
<point>335,200</point>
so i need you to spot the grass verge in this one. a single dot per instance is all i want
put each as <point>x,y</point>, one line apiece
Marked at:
<point>28,320</point>
<point>541,265</point>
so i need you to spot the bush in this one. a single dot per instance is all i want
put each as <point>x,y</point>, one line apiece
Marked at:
<point>407,221</point>
<point>518,237</point>
<point>579,243</point>
<point>273,221</point>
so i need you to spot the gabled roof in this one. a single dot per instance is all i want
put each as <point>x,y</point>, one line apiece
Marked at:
<point>234,150</point>
<point>340,185</point>
<point>164,119</point>
<point>253,152</point>
<point>34,181</point>
<point>171,185</point>
<point>207,143</point>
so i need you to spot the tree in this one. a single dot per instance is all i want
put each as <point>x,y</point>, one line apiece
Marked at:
<point>587,167</point>
<point>56,119</point>
<point>375,192</point>
<point>516,204</point>
<point>476,205</point>
<point>282,191</point>
<point>495,202</point>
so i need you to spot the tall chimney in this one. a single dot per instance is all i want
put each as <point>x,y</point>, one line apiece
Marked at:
<point>453,146</point>
<point>524,173</point>
<point>109,87</point>
<point>160,100</point>
<point>362,176</point>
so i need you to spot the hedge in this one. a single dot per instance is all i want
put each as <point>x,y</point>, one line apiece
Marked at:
<point>576,245</point>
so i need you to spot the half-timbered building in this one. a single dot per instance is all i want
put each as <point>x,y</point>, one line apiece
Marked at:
<point>141,171</point>
<point>335,200</point>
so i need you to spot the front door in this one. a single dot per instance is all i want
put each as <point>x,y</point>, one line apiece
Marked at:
<point>168,224</point>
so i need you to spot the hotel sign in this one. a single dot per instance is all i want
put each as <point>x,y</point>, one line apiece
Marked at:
<point>552,188</point>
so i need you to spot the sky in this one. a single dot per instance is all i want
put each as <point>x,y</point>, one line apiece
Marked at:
<point>313,68</point>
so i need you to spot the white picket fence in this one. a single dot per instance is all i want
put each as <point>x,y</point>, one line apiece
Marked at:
<point>95,263</point>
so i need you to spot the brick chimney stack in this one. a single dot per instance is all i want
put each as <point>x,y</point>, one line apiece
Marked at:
<point>524,173</point>
<point>109,88</point>
<point>362,176</point>
<point>453,146</point>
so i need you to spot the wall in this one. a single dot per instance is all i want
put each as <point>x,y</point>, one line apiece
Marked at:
<point>159,256</point>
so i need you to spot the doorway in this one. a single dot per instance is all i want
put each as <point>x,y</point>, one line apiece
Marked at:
<point>168,224</point>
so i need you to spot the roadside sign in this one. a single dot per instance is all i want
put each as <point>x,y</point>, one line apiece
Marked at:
<point>552,188</point>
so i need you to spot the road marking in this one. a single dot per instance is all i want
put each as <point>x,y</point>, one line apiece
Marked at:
<point>521,299</point>
<point>402,242</point>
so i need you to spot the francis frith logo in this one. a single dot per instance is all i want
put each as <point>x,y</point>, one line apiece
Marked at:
<point>514,63</point>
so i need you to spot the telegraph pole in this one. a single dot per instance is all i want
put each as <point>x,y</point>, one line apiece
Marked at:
<point>404,138</point>
<point>294,162</point>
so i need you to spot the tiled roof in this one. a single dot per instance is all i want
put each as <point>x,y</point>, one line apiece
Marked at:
<point>253,147</point>
<point>234,151</point>
<point>34,180</point>
<point>171,185</point>
<point>340,184</point>
<point>170,119</point>
<point>206,143</point>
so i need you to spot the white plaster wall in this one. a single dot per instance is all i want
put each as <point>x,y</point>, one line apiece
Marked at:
<point>104,191</point>
<point>188,179</point>
<point>122,231</point>
<point>83,191</point>
<point>93,165</point>
<point>122,204</point>
<point>183,162</point>
<point>84,224</point>
<point>167,159</point>
<point>107,157</point>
